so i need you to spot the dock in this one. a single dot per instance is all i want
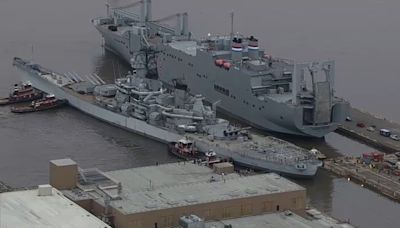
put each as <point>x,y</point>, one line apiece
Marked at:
<point>380,180</point>
<point>360,129</point>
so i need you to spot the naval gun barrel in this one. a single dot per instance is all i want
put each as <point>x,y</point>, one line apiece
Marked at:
<point>182,116</point>
<point>145,93</point>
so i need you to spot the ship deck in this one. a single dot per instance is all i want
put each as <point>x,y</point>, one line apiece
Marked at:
<point>85,97</point>
<point>261,148</point>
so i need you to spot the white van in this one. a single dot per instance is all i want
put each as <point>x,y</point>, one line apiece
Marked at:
<point>384,132</point>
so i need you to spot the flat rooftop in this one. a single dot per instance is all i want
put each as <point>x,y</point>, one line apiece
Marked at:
<point>26,209</point>
<point>284,219</point>
<point>63,162</point>
<point>181,184</point>
<point>171,174</point>
<point>202,192</point>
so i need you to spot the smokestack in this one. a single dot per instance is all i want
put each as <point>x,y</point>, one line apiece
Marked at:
<point>253,48</point>
<point>185,24</point>
<point>237,49</point>
<point>178,30</point>
<point>143,13</point>
<point>148,8</point>
<point>108,9</point>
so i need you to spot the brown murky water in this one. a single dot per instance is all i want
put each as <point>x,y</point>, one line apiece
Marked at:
<point>361,35</point>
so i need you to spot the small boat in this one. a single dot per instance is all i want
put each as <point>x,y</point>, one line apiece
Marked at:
<point>185,149</point>
<point>22,93</point>
<point>48,102</point>
<point>318,154</point>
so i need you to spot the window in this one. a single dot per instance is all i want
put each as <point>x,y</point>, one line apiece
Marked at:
<point>221,89</point>
<point>228,212</point>
<point>246,209</point>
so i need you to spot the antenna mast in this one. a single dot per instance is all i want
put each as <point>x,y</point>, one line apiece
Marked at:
<point>108,8</point>
<point>32,53</point>
<point>232,16</point>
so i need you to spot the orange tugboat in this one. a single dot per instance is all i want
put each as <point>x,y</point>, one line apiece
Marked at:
<point>48,102</point>
<point>22,93</point>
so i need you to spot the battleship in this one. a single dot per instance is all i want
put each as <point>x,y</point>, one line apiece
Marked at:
<point>145,107</point>
<point>267,92</point>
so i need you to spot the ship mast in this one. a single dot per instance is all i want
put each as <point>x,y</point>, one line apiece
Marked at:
<point>108,8</point>
<point>232,14</point>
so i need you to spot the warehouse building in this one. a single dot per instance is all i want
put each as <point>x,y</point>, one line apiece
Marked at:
<point>157,196</point>
<point>44,207</point>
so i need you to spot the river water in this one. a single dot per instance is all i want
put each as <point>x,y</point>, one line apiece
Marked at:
<point>361,35</point>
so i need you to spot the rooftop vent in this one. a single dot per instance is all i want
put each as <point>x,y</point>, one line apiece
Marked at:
<point>191,221</point>
<point>272,188</point>
<point>234,194</point>
<point>172,202</point>
<point>151,205</point>
<point>251,191</point>
<point>45,190</point>
<point>191,199</point>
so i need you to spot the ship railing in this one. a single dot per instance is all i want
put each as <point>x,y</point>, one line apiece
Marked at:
<point>124,14</point>
<point>278,59</point>
<point>162,27</point>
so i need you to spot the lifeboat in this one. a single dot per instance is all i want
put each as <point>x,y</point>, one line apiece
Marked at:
<point>219,62</point>
<point>227,65</point>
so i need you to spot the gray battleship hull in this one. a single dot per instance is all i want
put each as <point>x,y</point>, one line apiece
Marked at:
<point>127,123</point>
<point>240,158</point>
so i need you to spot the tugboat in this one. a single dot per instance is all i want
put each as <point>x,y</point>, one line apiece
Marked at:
<point>48,102</point>
<point>186,149</point>
<point>22,93</point>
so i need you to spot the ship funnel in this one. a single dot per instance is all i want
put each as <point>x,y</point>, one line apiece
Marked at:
<point>143,11</point>
<point>185,24</point>
<point>148,8</point>
<point>178,29</point>
<point>237,49</point>
<point>253,48</point>
<point>146,11</point>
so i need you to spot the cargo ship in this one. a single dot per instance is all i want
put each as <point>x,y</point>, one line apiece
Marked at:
<point>267,92</point>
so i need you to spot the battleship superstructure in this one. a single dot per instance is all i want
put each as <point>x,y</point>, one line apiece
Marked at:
<point>267,92</point>
<point>143,106</point>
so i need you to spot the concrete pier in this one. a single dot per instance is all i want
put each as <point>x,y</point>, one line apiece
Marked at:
<point>380,180</point>
<point>372,138</point>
